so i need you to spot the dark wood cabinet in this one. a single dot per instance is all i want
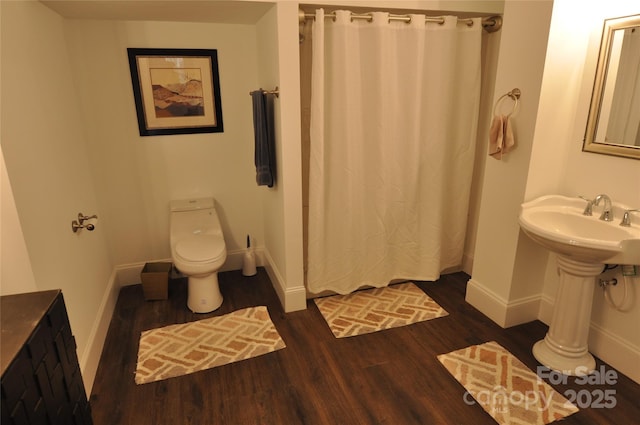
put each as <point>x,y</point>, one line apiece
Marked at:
<point>41,379</point>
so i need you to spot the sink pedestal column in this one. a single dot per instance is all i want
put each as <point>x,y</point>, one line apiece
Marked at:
<point>564,348</point>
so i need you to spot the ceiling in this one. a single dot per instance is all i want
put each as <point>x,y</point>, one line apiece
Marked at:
<point>214,11</point>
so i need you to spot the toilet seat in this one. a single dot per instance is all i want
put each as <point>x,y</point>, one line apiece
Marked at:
<point>201,248</point>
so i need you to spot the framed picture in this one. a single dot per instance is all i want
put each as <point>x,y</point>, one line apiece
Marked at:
<point>177,91</point>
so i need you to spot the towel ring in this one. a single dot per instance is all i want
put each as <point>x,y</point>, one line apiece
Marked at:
<point>514,95</point>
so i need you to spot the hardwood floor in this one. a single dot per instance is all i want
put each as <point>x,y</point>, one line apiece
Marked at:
<point>390,377</point>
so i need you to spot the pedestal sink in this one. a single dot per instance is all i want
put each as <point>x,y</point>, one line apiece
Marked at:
<point>584,244</point>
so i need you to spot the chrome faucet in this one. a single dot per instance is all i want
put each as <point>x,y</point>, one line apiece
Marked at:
<point>607,212</point>
<point>626,218</point>
<point>588,209</point>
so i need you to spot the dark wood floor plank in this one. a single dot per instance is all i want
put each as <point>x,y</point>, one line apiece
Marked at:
<point>390,377</point>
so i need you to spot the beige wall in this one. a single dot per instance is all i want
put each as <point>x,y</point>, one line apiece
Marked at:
<point>136,176</point>
<point>282,216</point>
<point>526,23</point>
<point>558,165</point>
<point>16,274</point>
<point>49,170</point>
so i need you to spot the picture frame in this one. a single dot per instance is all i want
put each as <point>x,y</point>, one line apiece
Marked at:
<point>176,91</point>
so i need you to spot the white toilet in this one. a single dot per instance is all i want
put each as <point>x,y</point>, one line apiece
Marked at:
<point>198,250</point>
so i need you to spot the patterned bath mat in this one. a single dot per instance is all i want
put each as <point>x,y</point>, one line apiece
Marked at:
<point>372,310</point>
<point>181,349</point>
<point>505,388</point>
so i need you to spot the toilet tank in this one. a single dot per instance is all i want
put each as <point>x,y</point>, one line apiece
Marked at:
<point>192,217</point>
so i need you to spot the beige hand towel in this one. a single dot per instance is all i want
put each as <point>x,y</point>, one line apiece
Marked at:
<point>501,139</point>
<point>509,141</point>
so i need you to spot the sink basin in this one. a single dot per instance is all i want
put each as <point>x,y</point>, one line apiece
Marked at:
<point>583,244</point>
<point>557,223</point>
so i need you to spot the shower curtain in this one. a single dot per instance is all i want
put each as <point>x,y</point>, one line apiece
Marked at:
<point>394,109</point>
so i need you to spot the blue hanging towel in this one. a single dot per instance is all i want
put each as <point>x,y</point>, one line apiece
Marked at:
<point>264,139</point>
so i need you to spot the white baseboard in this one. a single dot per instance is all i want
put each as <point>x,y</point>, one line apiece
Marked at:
<point>292,299</point>
<point>619,353</point>
<point>129,274</point>
<point>504,313</point>
<point>91,356</point>
<point>485,300</point>
<point>523,310</point>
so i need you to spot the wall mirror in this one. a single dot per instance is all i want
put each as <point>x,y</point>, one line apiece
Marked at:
<point>613,126</point>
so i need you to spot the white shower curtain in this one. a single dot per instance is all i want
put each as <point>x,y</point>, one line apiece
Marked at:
<point>394,109</point>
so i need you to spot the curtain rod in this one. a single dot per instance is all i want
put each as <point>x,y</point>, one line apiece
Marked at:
<point>489,24</point>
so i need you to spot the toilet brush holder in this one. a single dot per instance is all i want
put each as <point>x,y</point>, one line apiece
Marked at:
<point>249,262</point>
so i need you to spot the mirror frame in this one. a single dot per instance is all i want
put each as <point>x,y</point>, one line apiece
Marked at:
<point>589,143</point>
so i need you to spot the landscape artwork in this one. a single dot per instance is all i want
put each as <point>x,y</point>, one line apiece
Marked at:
<point>176,91</point>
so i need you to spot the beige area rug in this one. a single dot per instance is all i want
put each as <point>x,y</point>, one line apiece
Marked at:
<point>181,349</point>
<point>505,388</point>
<point>372,310</point>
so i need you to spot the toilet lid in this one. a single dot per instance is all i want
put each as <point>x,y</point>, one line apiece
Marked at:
<point>200,248</point>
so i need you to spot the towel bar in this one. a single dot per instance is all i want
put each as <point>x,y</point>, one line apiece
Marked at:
<point>274,91</point>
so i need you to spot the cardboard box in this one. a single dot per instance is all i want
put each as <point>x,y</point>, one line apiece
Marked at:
<point>155,281</point>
